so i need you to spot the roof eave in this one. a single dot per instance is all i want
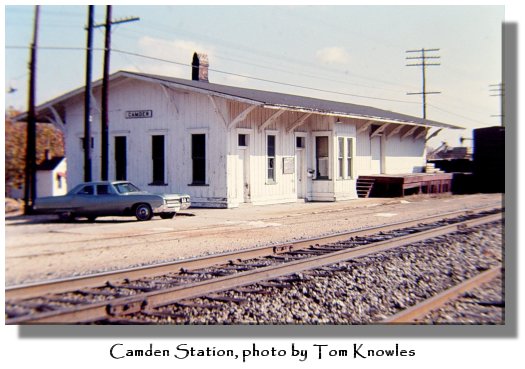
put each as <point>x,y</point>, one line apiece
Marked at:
<point>430,124</point>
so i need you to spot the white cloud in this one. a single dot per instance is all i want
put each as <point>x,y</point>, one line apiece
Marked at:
<point>333,55</point>
<point>177,51</point>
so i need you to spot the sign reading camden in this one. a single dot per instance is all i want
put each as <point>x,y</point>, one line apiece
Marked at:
<point>137,114</point>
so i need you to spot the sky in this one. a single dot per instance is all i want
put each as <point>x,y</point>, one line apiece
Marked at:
<point>354,54</point>
<point>350,50</point>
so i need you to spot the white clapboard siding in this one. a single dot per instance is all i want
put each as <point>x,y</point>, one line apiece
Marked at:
<point>404,155</point>
<point>234,174</point>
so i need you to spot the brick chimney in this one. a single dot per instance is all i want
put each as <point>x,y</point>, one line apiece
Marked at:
<point>199,70</point>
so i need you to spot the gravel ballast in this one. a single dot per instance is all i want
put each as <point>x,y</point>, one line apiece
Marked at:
<point>361,291</point>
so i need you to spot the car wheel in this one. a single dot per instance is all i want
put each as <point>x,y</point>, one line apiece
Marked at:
<point>143,212</point>
<point>167,215</point>
<point>66,216</point>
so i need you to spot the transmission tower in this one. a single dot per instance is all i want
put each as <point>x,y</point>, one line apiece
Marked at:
<point>423,61</point>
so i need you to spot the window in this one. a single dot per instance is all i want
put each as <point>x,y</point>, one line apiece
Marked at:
<point>126,188</point>
<point>270,154</point>
<point>86,190</point>
<point>242,140</point>
<point>349,155</point>
<point>198,157</point>
<point>157,154</point>
<point>340,156</point>
<point>120,158</point>
<point>321,157</point>
<point>102,190</point>
<point>299,142</point>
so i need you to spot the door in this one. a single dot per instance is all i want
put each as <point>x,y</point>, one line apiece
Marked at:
<point>301,173</point>
<point>120,158</point>
<point>376,155</point>
<point>243,176</point>
<point>246,176</point>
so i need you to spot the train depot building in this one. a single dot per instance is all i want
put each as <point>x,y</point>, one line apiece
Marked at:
<point>226,146</point>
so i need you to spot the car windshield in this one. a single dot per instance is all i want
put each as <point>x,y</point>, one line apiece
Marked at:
<point>126,188</point>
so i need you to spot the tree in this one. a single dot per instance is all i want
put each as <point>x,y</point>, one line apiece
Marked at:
<point>48,138</point>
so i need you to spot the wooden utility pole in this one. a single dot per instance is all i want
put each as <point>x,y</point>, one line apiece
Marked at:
<point>87,96</point>
<point>423,63</point>
<point>499,91</point>
<point>105,114</point>
<point>104,122</point>
<point>30,170</point>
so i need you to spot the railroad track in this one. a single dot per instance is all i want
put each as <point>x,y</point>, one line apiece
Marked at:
<point>418,311</point>
<point>110,295</point>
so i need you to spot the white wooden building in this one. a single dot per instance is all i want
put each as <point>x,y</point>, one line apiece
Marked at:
<point>51,177</point>
<point>226,146</point>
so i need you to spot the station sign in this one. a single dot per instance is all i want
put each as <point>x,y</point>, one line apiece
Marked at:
<point>139,114</point>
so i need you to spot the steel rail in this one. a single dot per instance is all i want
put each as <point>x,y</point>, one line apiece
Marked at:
<point>418,311</point>
<point>148,300</point>
<point>96,280</point>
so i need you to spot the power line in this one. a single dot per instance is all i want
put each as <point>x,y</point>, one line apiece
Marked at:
<point>304,74</point>
<point>262,79</point>
<point>234,60</point>
<point>458,115</point>
<point>245,76</point>
<point>225,72</point>
<point>271,55</point>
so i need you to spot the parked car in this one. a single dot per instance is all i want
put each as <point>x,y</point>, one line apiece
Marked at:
<point>97,199</point>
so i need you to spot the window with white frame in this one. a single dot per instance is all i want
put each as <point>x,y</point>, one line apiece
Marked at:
<point>299,142</point>
<point>157,156</point>
<point>198,157</point>
<point>242,140</point>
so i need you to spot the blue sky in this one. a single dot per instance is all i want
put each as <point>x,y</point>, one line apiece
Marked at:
<point>356,52</point>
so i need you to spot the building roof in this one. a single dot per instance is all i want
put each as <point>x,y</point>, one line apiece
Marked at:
<point>296,102</point>
<point>266,99</point>
<point>50,164</point>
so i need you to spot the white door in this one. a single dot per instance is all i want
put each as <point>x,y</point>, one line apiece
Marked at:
<point>243,176</point>
<point>376,155</point>
<point>301,173</point>
<point>246,176</point>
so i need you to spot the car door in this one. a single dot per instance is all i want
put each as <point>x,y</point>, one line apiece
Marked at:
<point>107,202</point>
<point>84,200</point>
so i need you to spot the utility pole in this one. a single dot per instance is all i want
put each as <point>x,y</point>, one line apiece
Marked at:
<point>30,170</point>
<point>499,91</point>
<point>423,59</point>
<point>87,96</point>
<point>104,122</point>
